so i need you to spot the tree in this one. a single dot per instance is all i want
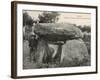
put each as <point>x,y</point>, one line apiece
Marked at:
<point>85,28</point>
<point>48,17</point>
<point>27,20</point>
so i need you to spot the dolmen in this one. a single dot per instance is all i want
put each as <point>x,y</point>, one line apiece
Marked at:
<point>74,51</point>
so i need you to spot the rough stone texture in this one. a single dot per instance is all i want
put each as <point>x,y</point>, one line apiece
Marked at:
<point>57,31</point>
<point>44,52</point>
<point>74,53</point>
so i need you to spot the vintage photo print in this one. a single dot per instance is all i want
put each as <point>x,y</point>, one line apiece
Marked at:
<point>56,39</point>
<point>53,39</point>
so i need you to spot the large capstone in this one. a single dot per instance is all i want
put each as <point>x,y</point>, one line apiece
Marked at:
<point>57,31</point>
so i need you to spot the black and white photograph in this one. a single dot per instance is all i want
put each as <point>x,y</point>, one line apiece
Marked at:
<point>56,39</point>
<point>53,39</point>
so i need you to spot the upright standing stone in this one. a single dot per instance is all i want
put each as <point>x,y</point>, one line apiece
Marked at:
<point>74,53</point>
<point>43,52</point>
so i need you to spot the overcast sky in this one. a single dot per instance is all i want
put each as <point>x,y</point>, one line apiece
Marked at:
<point>74,18</point>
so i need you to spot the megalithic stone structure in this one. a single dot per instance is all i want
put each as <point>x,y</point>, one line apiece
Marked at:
<point>55,33</point>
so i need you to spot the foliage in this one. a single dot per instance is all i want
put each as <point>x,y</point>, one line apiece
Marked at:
<point>87,36</point>
<point>85,28</point>
<point>27,20</point>
<point>87,40</point>
<point>48,17</point>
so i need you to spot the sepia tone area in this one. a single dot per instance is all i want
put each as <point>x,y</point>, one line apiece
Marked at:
<point>56,39</point>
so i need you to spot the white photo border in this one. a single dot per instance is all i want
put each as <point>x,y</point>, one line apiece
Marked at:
<point>51,71</point>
